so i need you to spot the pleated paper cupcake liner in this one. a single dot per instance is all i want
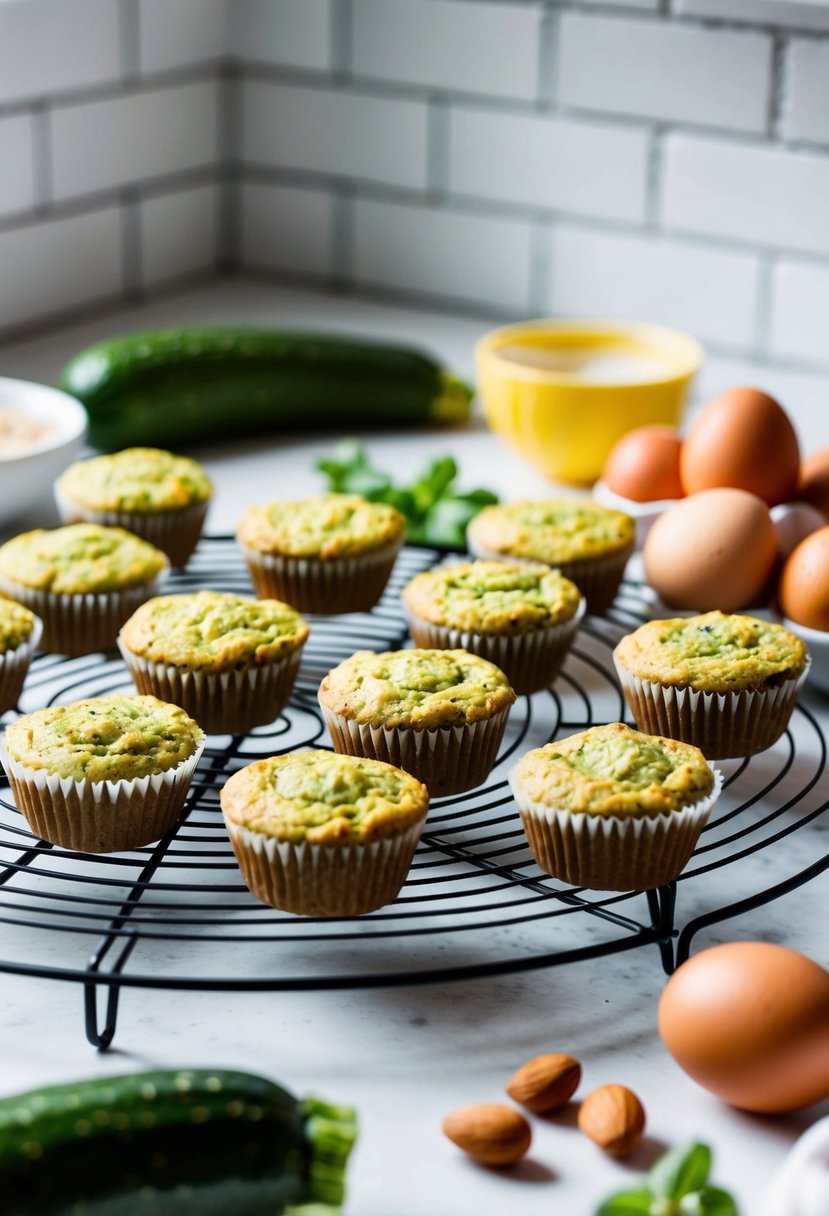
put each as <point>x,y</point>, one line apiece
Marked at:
<point>83,623</point>
<point>324,880</point>
<point>721,725</point>
<point>597,578</point>
<point>323,585</point>
<point>448,760</point>
<point>99,816</point>
<point>222,702</point>
<point>613,852</point>
<point>14,665</point>
<point>531,660</point>
<point>175,531</point>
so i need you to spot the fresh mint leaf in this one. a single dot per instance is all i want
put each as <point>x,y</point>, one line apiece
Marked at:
<point>628,1203</point>
<point>680,1171</point>
<point>709,1201</point>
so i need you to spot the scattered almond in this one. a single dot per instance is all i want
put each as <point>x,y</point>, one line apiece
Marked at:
<point>614,1118</point>
<point>490,1132</point>
<point>545,1083</point>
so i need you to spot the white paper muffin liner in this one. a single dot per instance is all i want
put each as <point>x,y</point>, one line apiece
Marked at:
<point>323,880</point>
<point>530,660</point>
<point>99,816</point>
<point>448,760</point>
<point>222,702</point>
<point>86,622</point>
<point>597,578</point>
<point>323,585</point>
<point>613,852</point>
<point>14,665</point>
<point>176,531</point>
<point>721,725</point>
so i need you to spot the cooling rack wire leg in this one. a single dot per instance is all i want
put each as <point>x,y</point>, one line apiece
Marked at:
<point>662,904</point>
<point>100,1038</point>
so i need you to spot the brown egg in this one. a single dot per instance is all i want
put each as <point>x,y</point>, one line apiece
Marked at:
<point>750,1022</point>
<point>644,465</point>
<point>814,480</point>
<point>716,549</point>
<point>804,582</point>
<point>744,439</point>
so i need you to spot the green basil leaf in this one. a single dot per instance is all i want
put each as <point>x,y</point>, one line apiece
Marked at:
<point>711,1201</point>
<point>680,1171</point>
<point>627,1203</point>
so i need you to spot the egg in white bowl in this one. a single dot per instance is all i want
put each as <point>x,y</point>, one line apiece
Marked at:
<point>41,430</point>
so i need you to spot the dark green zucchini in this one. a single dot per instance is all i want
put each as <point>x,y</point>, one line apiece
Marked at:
<point>189,386</point>
<point>187,1143</point>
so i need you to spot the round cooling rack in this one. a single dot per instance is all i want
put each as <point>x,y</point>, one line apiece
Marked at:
<point>176,915</point>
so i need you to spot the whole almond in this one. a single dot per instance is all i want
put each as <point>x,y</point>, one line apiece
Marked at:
<point>614,1118</point>
<point>545,1083</point>
<point>490,1132</point>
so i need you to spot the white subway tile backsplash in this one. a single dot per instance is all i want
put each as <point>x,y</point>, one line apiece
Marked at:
<point>284,228</point>
<point>589,168</point>
<point>806,114</point>
<point>179,234</point>
<point>294,33</point>
<point>17,180</point>
<point>48,46</point>
<point>465,46</point>
<point>758,193</point>
<point>103,144</point>
<point>666,71</point>
<point>709,292</point>
<point>178,33</point>
<point>800,310</point>
<point>649,5</point>
<point>808,15</point>
<point>52,267</point>
<point>339,133</point>
<point>442,253</point>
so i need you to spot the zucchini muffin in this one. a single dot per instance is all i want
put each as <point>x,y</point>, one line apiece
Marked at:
<point>612,809</point>
<point>155,494</point>
<point>324,835</point>
<point>587,542</point>
<point>231,662</point>
<point>438,714</point>
<point>102,775</point>
<point>327,554</point>
<point>522,617</point>
<point>83,581</point>
<point>726,683</point>
<point>20,633</point>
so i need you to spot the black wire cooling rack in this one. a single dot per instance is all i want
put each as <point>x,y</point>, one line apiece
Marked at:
<point>176,915</point>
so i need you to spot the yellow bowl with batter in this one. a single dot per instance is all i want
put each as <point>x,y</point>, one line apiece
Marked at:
<point>563,392</point>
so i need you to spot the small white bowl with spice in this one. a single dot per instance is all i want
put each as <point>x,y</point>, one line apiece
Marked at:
<point>41,430</point>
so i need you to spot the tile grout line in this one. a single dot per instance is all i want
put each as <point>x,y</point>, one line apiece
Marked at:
<point>129,39</point>
<point>42,158</point>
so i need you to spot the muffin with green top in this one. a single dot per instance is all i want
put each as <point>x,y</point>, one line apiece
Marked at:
<point>82,580</point>
<point>521,616</point>
<point>327,554</point>
<point>20,633</point>
<point>102,775</point>
<point>612,809</point>
<point>726,683</point>
<point>585,541</point>
<point>230,661</point>
<point>438,714</point>
<point>157,495</point>
<point>324,835</point>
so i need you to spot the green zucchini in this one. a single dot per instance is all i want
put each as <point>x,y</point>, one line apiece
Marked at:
<point>170,387</point>
<point>180,1143</point>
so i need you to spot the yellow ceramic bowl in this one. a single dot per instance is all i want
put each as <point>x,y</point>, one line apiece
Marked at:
<point>563,392</point>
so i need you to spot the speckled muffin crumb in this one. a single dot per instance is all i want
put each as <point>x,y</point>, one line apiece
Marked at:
<point>136,479</point>
<point>213,630</point>
<point>614,770</point>
<point>80,558</point>
<point>493,597</point>
<point>324,798</point>
<point>16,625</point>
<point>325,526</point>
<point>553,530</point>
<point>422,689</point>
<point>117,738</point>
<point>713,652</point>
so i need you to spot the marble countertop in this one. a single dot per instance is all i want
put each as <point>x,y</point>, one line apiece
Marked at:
<point>406,1056</point>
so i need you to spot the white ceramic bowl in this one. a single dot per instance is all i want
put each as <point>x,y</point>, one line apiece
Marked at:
<point>26,478</point>
<point>644,513</point>
<point>817,644</point>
